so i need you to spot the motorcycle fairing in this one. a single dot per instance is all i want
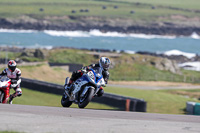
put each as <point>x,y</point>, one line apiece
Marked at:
<point>91,77</point>
<point>5,86</point>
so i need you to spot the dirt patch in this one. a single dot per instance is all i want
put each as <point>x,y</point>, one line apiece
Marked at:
<point>188,94</point>
<point>45,73</point>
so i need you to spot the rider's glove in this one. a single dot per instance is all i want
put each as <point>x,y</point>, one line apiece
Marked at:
<point>13,85</point>
<point>104,85</point>
<point>84,69</point>
<point>13,81</point>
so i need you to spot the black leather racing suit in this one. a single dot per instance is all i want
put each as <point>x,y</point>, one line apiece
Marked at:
<point>78,74</point>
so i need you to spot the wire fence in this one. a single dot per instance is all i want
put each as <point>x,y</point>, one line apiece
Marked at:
<point>157,77</point>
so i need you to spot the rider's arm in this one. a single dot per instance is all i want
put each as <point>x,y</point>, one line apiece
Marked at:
<point>86,68</point>
<point>106,76</point>
<point>93,65</point>
<point>17,80</point>
<point>3,73</point>
<point>89,67</point>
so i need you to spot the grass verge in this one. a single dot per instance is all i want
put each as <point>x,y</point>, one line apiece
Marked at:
<point>37,98</point>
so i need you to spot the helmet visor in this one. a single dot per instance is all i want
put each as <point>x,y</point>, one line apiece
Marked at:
<point>105,66</point>
<point>12,68</point>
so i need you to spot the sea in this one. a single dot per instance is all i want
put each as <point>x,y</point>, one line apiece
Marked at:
<point>188,46</point>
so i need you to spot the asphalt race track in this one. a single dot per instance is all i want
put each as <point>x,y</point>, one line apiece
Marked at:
<point>41,119</point>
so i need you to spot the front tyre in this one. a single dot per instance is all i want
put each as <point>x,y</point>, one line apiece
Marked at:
<point>1,96</point>
<point>83,102</point>
<point>65,101</point>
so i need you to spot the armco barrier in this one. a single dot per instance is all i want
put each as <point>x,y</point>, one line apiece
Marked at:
<point>72,67</point>
<point>120,102</point>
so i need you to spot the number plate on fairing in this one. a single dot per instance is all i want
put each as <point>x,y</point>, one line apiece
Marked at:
<point>91,75</point>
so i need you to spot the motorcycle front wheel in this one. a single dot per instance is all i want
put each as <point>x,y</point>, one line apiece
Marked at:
<point>83,101</point>
<point>1,96</point>
<point>65,101</point>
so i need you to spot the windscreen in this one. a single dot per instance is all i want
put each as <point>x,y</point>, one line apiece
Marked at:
<point>4,78</point>
<point>98,72</point>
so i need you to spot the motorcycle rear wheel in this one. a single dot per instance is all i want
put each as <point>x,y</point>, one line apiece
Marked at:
<point>83,102</point>
<point>65,101</point>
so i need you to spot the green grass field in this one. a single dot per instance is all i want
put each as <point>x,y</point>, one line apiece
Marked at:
<point>187,4</point>
<point>157,101</point>
<point>127,67</point>
<point>143,10</point>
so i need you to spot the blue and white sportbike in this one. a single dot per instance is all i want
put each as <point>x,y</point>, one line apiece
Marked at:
<point>83,89</point>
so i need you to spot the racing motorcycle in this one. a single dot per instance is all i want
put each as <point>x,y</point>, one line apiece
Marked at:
<point>5,84</point>
<point>83,89</point>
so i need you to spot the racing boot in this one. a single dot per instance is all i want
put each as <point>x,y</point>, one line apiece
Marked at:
<point>11,98</point>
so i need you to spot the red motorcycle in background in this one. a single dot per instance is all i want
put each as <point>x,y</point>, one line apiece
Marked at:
<point>5,83</point>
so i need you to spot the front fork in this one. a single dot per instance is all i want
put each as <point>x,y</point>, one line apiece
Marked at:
<point>70,96</point>
<point>66,93</point>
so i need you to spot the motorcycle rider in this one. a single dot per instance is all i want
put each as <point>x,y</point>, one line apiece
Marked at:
<point>14,74</point>
<point>104,64</point>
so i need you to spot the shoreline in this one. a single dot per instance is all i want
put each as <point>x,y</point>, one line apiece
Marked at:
<point>97,32</point>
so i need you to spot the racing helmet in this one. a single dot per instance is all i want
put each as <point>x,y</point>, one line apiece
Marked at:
<point>12,65</point>
<point>104,63</point>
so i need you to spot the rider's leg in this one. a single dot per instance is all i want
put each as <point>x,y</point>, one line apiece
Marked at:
<point>74,77</point>
<point>18,92</point>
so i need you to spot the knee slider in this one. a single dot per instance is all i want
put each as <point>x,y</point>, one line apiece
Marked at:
<point>100,93</point>
<point>19,92</point>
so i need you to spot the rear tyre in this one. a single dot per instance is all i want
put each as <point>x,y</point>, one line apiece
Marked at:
<point>65,101</point>
<point>83,102</point>
<point>1,96</point>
